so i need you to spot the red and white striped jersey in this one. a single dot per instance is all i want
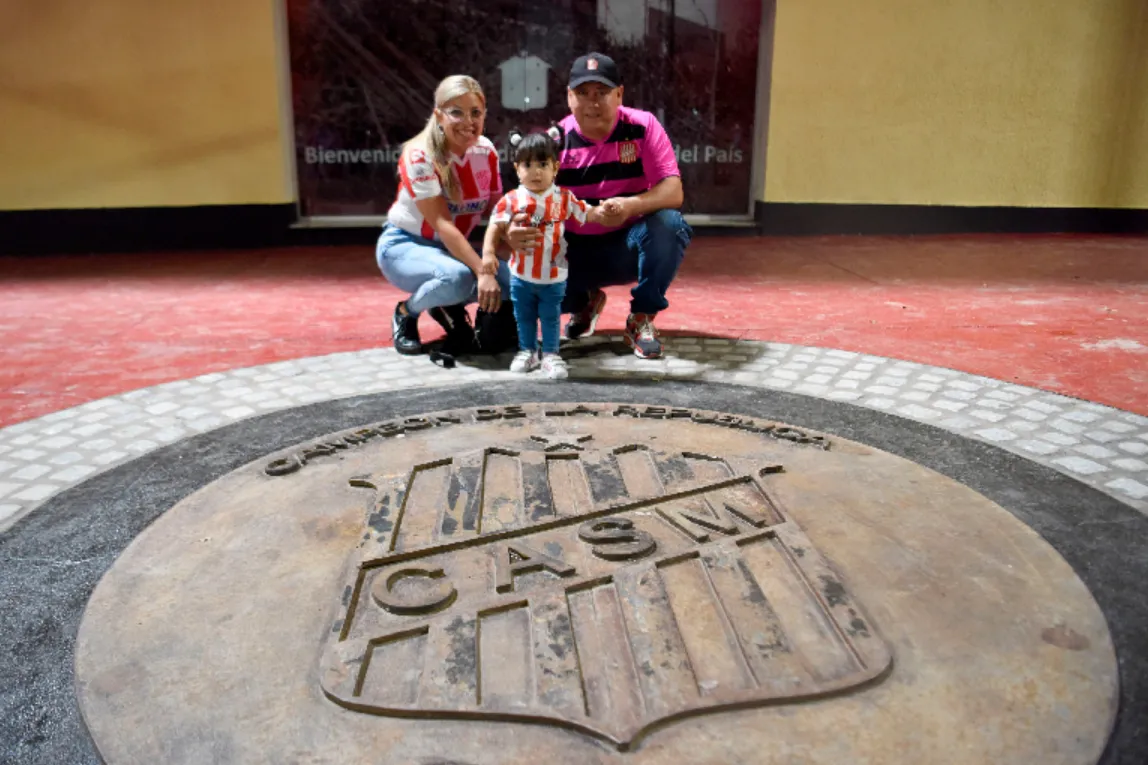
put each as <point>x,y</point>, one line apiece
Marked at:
<point>478,182</point>
<point>546,263</point>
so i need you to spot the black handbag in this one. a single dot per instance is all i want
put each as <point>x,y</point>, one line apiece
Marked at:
<point>495,331</point>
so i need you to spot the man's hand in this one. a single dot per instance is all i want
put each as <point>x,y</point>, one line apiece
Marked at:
<point>617,210</point>
<point>489,293</point>
<point>522,236</point>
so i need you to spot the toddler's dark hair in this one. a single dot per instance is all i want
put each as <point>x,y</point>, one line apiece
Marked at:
<point>536,147</point>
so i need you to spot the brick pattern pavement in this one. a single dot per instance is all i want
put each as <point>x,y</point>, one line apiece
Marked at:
<point>1100,446</point>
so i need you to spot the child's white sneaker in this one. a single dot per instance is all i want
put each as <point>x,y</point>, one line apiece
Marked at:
<point>554,367</point>
<point>524,361</point>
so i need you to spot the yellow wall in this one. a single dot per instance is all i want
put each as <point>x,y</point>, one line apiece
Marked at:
<point>129,103</point>
<point>960,102</point>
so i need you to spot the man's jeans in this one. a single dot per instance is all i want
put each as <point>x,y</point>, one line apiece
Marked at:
<point>648,252</point>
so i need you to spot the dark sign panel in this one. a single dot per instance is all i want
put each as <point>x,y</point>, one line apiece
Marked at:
<point>364,73</point>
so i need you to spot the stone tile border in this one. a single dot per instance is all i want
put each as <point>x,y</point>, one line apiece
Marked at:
<point>1100,446</point>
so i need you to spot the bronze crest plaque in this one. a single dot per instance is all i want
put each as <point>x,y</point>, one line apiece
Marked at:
<point>615,584</point>
<point>609,588</point>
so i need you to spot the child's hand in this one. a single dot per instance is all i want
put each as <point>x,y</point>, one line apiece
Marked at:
<point>611,207</point>
<point>612,212</point>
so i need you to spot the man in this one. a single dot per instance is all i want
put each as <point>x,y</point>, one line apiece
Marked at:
<point>622,158</point>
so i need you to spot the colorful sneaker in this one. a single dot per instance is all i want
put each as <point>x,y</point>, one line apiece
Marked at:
<point>582,323</point>
<point>642,336</point>
<point>405,332</point>
<point>554,367</point>
<point>524,361</point>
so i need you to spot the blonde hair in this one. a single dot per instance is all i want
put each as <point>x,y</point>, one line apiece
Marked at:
<point>432,139</point>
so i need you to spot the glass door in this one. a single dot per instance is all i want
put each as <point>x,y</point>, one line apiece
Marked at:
<point>363,74</point>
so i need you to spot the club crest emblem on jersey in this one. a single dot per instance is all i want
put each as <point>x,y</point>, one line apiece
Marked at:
<point>627,152</point>
<point>482,178</point>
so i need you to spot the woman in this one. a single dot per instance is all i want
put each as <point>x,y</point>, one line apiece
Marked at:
<point>448,180</point>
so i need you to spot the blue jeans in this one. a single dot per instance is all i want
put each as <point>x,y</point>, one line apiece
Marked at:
<point>534,304</point>
<point>428,272</point>
<point>648,252</point>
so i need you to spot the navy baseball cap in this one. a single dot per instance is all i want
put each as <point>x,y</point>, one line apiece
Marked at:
<point>595,67</point>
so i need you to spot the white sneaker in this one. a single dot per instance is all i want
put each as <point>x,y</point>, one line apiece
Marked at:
<point>524,361</point>
<point>554,367</point>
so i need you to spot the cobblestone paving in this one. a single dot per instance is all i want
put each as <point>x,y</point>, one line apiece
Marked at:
<point>1103,447</point>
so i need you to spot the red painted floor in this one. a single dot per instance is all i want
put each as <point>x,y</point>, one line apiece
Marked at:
<point>1067,314</point>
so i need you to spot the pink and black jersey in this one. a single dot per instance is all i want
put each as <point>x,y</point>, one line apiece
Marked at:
<point>478,183</point>
<point>548,211</point>
<point>632,159</point>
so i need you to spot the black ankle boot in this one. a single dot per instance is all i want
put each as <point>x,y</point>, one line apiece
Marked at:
<point>459,333</point>
<point>405,330</point>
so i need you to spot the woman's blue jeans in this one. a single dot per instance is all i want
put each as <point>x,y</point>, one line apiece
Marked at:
<point>428,272</point>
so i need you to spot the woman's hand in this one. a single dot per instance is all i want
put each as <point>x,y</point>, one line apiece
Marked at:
<point>522,236</point>
<point>489,293</point>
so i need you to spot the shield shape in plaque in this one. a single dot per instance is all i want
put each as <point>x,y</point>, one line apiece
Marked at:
<point>603,590</point>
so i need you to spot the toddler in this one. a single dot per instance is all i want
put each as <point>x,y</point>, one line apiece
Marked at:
<point>538,276</point>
